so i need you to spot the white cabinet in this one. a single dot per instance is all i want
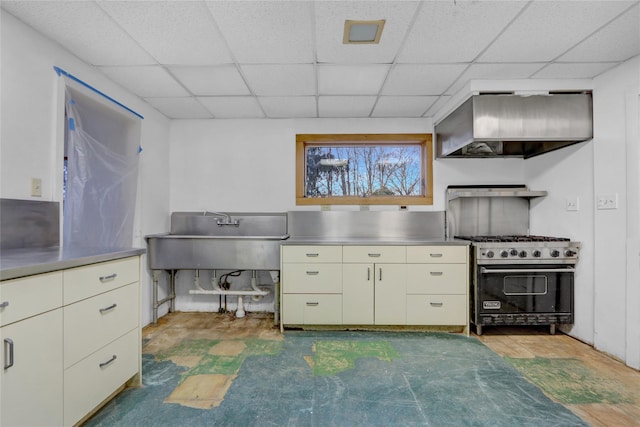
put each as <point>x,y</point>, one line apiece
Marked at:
<point>70,339</point>
<point>31,355</point>
<point>379,285</point>
<point>373,292</point>
<point>311,282</point>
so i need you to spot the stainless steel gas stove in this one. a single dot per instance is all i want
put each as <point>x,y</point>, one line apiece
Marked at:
<point>517,278</point>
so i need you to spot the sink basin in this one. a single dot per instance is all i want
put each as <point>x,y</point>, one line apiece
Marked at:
<point>198,242</point>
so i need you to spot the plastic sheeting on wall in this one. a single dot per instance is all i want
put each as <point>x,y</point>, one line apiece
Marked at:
<point>102,149</point>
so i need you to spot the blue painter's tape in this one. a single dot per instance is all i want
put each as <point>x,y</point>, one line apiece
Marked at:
<point>139,149</point>
<point>62,72</point>
<point>72,124</point>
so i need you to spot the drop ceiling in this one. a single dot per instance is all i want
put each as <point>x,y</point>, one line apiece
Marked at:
<point>286,59</point>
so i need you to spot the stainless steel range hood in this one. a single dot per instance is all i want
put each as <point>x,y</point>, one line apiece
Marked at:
<point>511,125</point>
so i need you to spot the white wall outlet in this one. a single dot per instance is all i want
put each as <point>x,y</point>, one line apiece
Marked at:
<point>36,187</point>
<point>573,204</point>
<point>607,201</point>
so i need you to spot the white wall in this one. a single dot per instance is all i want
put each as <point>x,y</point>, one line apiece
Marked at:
<point>31,120</point>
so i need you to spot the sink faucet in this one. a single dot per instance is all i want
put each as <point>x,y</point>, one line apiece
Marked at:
<point>227,218</point>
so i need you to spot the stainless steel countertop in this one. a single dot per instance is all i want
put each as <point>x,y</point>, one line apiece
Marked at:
<point>26,262</point>
<point>377,241</point>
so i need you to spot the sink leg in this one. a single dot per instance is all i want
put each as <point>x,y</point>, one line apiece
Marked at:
<point>240,312</point>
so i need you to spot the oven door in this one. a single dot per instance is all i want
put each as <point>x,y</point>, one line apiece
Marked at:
<point>524,289</point>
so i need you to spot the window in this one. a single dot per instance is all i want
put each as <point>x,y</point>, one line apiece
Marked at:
<point>364,169</point>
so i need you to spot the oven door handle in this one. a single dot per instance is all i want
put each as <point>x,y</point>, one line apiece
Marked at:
<point>485,270</point>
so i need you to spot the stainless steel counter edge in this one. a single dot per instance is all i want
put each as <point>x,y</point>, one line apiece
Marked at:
<point>354,241</point>
<point>23,262</point>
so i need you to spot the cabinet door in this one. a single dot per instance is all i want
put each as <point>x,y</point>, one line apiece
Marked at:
<point>357,294</point>
<point>31,389</point>
<point>390,294</point>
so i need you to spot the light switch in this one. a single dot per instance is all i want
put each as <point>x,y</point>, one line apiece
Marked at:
<point>607,201</point>
<point>36,187</point>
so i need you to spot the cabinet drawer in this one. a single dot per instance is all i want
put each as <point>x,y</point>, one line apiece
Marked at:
<point>374,254</point>
<point>312,278</point>
<point>84,282</point>
<point>309,309</point>
<point>95,322</point>
<point>96,377</point>
<point>437,254</point>
<point>28,296</point>
<point>437,309</point>
<point>437,279</point>
<point>311,253</point>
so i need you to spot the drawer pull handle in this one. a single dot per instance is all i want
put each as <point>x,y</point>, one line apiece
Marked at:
<point>435,255</point>
<point>380,274</point>
<point>108,362</point>
<point>374,255</point>
<point>111,307</point>
<point>312,255</point>
<point>436,273</point>
<point>109,277</point>
<point>436,304</point>
<point>4,304</point>
<point>313,273</point>
<point>368,273</point>
<point>313,304</point>
<point>8,348</point>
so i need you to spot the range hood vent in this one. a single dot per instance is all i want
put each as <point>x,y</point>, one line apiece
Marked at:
<point>508,125</point>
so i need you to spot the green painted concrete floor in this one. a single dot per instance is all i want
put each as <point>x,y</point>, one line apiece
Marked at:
<point>204,369</point>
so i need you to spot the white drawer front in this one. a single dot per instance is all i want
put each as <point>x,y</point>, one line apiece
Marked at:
<point>95,322</point>
<point>374,254</point>
<point>437,309</point>
<point>294,253</point>
<point>312,278</point>
<point>28,296</point>
<point>437,254</point>
<point>85,282</point>
<point>437,278</point>
<point>309,309</point>
<point>96,377</point>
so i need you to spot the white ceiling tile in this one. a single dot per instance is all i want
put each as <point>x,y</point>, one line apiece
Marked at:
<point>329,24</point>
<point>452,31</point>
<point>403,106</point>
<point>618,41</point>
<point>351,79</point>
<point>437,106</point>
<point>180,108</point>
<point>148,81</point>
<point>495,72</point>
<point>232,107</point>
<point>573,70</point>
<point>425,79</point>
<point>546,29</point>
<point>345,106</point>
<point>82,28</point>
<point>280,80</point>
<point>166,28</point>
<point>219,80</point>
<point>289,106</point>
<point>267,32</point>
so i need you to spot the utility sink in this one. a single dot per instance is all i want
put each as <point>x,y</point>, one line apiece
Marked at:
<point>208,241</point>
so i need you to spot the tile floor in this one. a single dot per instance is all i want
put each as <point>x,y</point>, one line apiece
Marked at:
<point>598,389</point>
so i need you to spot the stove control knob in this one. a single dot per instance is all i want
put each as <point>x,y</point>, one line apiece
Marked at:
<point>536,253</point>
<point>522,254</point>
<point>569,252</point>
<point>513,252</point>
<point>504,253</point>
<point>555,253</point>
<point>489,254</point>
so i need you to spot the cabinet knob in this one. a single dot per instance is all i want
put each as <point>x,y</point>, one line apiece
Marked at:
<point>109,277</point>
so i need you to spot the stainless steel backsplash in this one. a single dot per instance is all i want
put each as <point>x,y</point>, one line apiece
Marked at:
<point>367,224</point>
<point>28,224</point>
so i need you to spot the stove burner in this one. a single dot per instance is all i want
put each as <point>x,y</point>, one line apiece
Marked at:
<point>514,238</point>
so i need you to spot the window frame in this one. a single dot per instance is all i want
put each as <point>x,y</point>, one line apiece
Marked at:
<point>305,140</point>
